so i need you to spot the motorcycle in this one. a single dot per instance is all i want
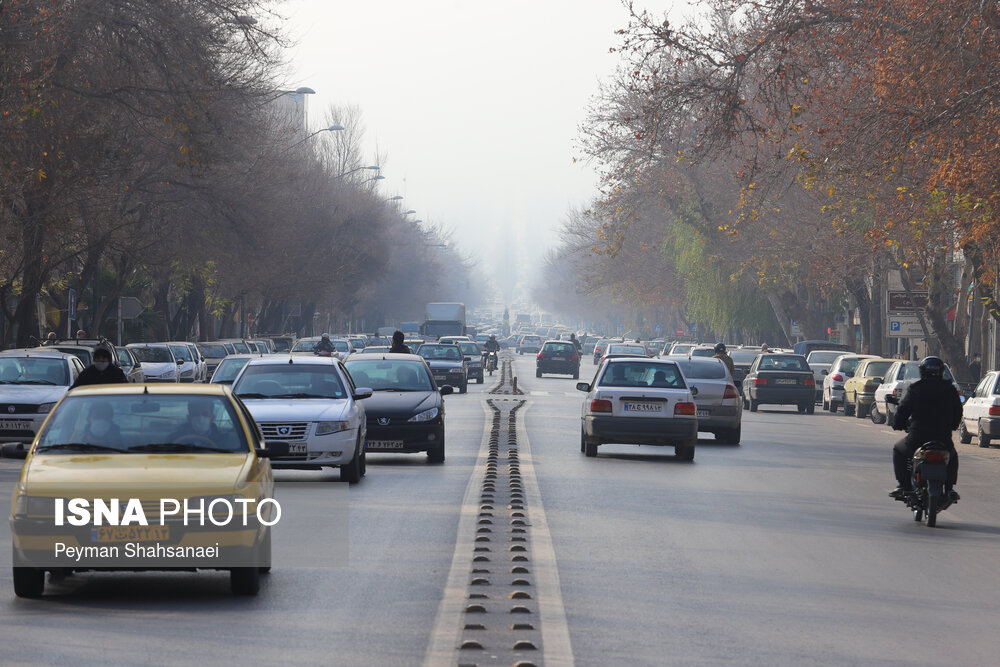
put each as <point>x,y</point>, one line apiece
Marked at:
<point>491,361</point>
<point>929,473</point>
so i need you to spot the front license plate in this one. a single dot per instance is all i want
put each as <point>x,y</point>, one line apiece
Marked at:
<point>11,425</point>
<point>297,448</point>
<point>786,381</point>
<point>643,407</point>
<point>703,413</point>
<point>384,444</point>
<point>129,533</point>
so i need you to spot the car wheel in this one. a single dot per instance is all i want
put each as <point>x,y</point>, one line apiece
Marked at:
<point>984,440</point>
<point>480,379</point>
<point>860,411</point>
<point>746,403</point>
<point>464,388</point>
<point>834,405</point>
<point>876,415</point>
<point>521,352</point>
<point>576,374</point>
<point>583,440</point>
<point>826,403</point>
<point>538,373</point>
<point>590,448</point>
<point>351,472</point>
<point>684,453</point>
<point>264,554</point>
<point>802,409</point>
<point>753,405</point>
<point>436,455</point>
<point>364,462</point>
<point>244,580</point>
<point>848,409</point>
<point>811,409</point>
<point>29,582</point>
<point>964,436</point>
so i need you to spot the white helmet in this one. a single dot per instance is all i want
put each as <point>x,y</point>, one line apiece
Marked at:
<point>325,336</point>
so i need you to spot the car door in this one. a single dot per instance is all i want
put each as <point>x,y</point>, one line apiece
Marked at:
<point>974,407</point>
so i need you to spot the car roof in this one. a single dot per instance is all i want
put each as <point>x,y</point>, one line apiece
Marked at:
<point>131,388</point>
<point>289,360</point>
<point>37,352</point>
<point>388,356</point>
<point>654,360</point>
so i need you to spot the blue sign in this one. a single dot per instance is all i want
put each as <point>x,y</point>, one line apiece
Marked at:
<point>895,325</point>
<point>72,304</point>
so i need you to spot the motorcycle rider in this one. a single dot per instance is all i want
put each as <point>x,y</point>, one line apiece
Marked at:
<point>929,410</point>
<point>398,346</point>
<point>324,345</point>
<point>723,356</point>
<point>491,345</point>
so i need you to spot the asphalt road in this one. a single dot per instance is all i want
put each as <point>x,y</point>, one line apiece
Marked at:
<point>784,550</point>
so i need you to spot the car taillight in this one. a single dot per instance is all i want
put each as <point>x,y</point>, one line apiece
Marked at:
<point>995,411</point>
<point>837,377</point>
<point>730,392</point>
<point>598,405</point>
<point>809,382</point>
<point>898,392</point>
<point>933,455</point>
<point>759,381</point>
<point>684,409</point>
<point>541,356</point>
<point>575,357</point>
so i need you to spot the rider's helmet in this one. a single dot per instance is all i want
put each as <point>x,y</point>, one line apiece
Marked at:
<point>493,336</point>
<point>720,348</point>
<point>325,336</point>
<point>931,368</point>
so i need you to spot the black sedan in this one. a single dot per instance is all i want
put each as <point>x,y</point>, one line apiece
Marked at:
<point>558,357</point>
<point>447,364</point>
<point>406,410</point>
<point>779,379</point>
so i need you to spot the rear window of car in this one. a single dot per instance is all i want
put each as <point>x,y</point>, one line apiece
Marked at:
<point>469,349</point>
<point>450,352</point>
<point>642,374</point>
<point>877,368</point>
<point>823,357</point>
<point>783,362</point>
<point>703,352</point>
<point>212,351</point>
<point>560,348</point>
<point>626,349</point>
<point>743,357</point>
<point>228,369</point>
<point>680,348</point>
<point>704,371</point>
<point>531,339</point>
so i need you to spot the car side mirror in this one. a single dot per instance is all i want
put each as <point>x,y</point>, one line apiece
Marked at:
<point>362,392</point>
<point>15,450</point>
<point>138,364</point>
<point>273,450</point>
<point>694,391</point>
<point>824,372</point>
<point>468,358</point>
<point>446,390</point>
<point>891,399</point>
<point>180,362</point>
<point>583,386</point>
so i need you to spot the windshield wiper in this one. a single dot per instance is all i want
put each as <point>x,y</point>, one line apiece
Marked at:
<point>79,447</point>
<point>35,382</point>
<point>176,447</point>
<point>254,396</point>
<point>301,395</point>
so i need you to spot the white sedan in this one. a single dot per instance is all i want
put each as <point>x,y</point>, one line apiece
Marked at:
<point>981,413</point>
<point>312,404</point>
<point>639,401</point>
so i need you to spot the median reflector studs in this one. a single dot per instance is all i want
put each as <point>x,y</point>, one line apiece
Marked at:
<point>470,644</point>
<point>519,569</point>
<point>482,538</point>
<point>474,626</point>
<point>475,609</point>
<point>520,582</point>
<point>520,610</point>
<point>519,559</point>
<point>524,645</point>
<point>478,596</point>
<point>481,559</point>
<point>518,547</point>
<point>480,581</point>
<point>519,595</point>
<point>522,626</point>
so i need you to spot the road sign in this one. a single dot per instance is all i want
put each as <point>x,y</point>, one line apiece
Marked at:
<point>904,326</point>
<point>72,304</point>
<point>250,320</point>
<point>131,307</point>
<point>680,331</point>
<point>795,330</point>
<point>900,301</point>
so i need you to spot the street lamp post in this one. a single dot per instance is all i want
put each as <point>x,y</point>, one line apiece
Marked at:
<point>332,128</point>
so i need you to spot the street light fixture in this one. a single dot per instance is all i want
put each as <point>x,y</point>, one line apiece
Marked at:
<point>373,167</point>
<point>395,198</point>
<point>409,212</point>
<point>332,128</point>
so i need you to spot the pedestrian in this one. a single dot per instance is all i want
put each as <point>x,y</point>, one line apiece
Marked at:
<point>763,347</point>
<point>976,367</point>
<point>81,334</point>
<point>102,371</point>
<point>399,345</point>
<point>50,339</point>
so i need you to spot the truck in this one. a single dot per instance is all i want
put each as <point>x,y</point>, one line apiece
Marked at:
<point>443,319</point>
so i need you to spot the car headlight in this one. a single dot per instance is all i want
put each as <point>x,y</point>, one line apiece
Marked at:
<point>26,505</point>
<point>424,416</point>
<point>45,408</point>
<point>326,428</point>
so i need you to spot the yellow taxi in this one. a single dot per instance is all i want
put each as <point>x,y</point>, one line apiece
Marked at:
<point>859,389</point>
<point>145,477</point>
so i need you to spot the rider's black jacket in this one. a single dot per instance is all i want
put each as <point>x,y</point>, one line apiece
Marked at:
<point>491,346</point>
<point>325,345</point>
<point>936,410</point>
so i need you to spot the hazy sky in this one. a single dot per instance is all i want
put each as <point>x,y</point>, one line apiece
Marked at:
<point>477,104</point>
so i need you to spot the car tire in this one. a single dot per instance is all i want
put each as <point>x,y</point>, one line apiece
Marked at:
<point>811,409</point>
<point>684,452</point>
<point>244,580</point>
<point>364,462</point>
<point>860,411</point>
<point>802,409</point>
<point>590,448</point>
<point>521,352</point>
<point>538,373</point>
<point>834,406</point>
<point>876,415</point>
<point>583,440</point>
<point>29,582</point>
<point>729,436</point>
<point>576,374</point>
<point>464,388</point>
<point>264,554</point>
<point>480,380</point>
<point>964,436</point>
<point>826,403</point>
<point>351,472</point>
<point>848,409</point>
<point>436,455</point>
<point>746,403</point>
<point>753,405</point>
<point>984,440</point>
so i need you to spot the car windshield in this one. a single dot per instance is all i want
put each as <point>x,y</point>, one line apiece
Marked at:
<point>152,354</point>
<point>228,370</point>
<point>390,374</point>
<point>849,365</point>
<point>181,352</point>
<point>290,381</point>
<point>33,370</point>
<point>281,344</point>
<point>378,349</point>
<point>703,352</point>
<point>212,350</point>
<point>681,348</point>
<point>449,352</point>
<point>642,374</point>
<point>783,362</point>
<point>531,339</point>
<point>143,423</point>
<point>743,357</point>
<point>877,368</point>
<point>709,370</point>
<point>81,353</point>
<point>560,348</point>
<point>343,346</point>
<point>626,349</point>
<point>240,346</point>
<point>823,357</point>
<point>124,359</point>
<point>469,349</point>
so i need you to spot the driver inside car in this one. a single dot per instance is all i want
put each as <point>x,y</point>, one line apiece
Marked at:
<point>101,428</point>
<point>200,425</point>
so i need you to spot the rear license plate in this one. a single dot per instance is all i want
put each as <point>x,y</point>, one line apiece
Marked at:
<point>786,381</point>
<point>297,448</point>
<point>703,413</point>
<point>558,358</point>
<point>384,444</point>
<point>11,425</point>
<point>129,533</point>
<point>644,407</point>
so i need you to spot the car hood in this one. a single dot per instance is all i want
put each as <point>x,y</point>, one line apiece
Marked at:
<point>297,409</point>
<point>34,393</point>
<point>444,364</point>
<point>400,403</point>
<point>69,474</point>
<point>157,368</point>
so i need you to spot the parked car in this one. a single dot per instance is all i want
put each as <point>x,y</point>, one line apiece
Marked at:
<point>859,389</point>
<point>841,370</point>
<point>227,460</point>
<point>406,410</point>
<point>158,362</point>
<point>187,368</point>
<point>639,402</point>
<point>312,404</point>
<point>558,357</point>
<point>81,348</point>
<point>981,413</point>
<point>529,343</point>
<point>720,410</point>
<point>130,366</point>
<point>447,365</point>
<point>899,376</point>
<point>31,383</point>
<point>820,362</point>
<point>779,379</point>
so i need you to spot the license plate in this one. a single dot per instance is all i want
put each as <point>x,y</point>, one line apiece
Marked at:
<point>384,444</point>
<point>558,358</point>
<point>786,381</point>
<point>643,407</point>
<point>703,413</point>
<point>440,378</point>
<point>297,448</point>
<point>11,425</point>
<point>129,533</point>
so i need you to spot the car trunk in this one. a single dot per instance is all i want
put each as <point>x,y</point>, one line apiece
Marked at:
<point>637,402</point>
<point>784,378</point>
<point>710,392</point>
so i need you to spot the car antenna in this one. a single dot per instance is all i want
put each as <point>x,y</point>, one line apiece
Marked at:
<point>145,389</point>
<point>289,359</point>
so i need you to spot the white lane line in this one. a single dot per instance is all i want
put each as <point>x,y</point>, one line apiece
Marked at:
<point>443,646</point>
<point>556,647</point>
